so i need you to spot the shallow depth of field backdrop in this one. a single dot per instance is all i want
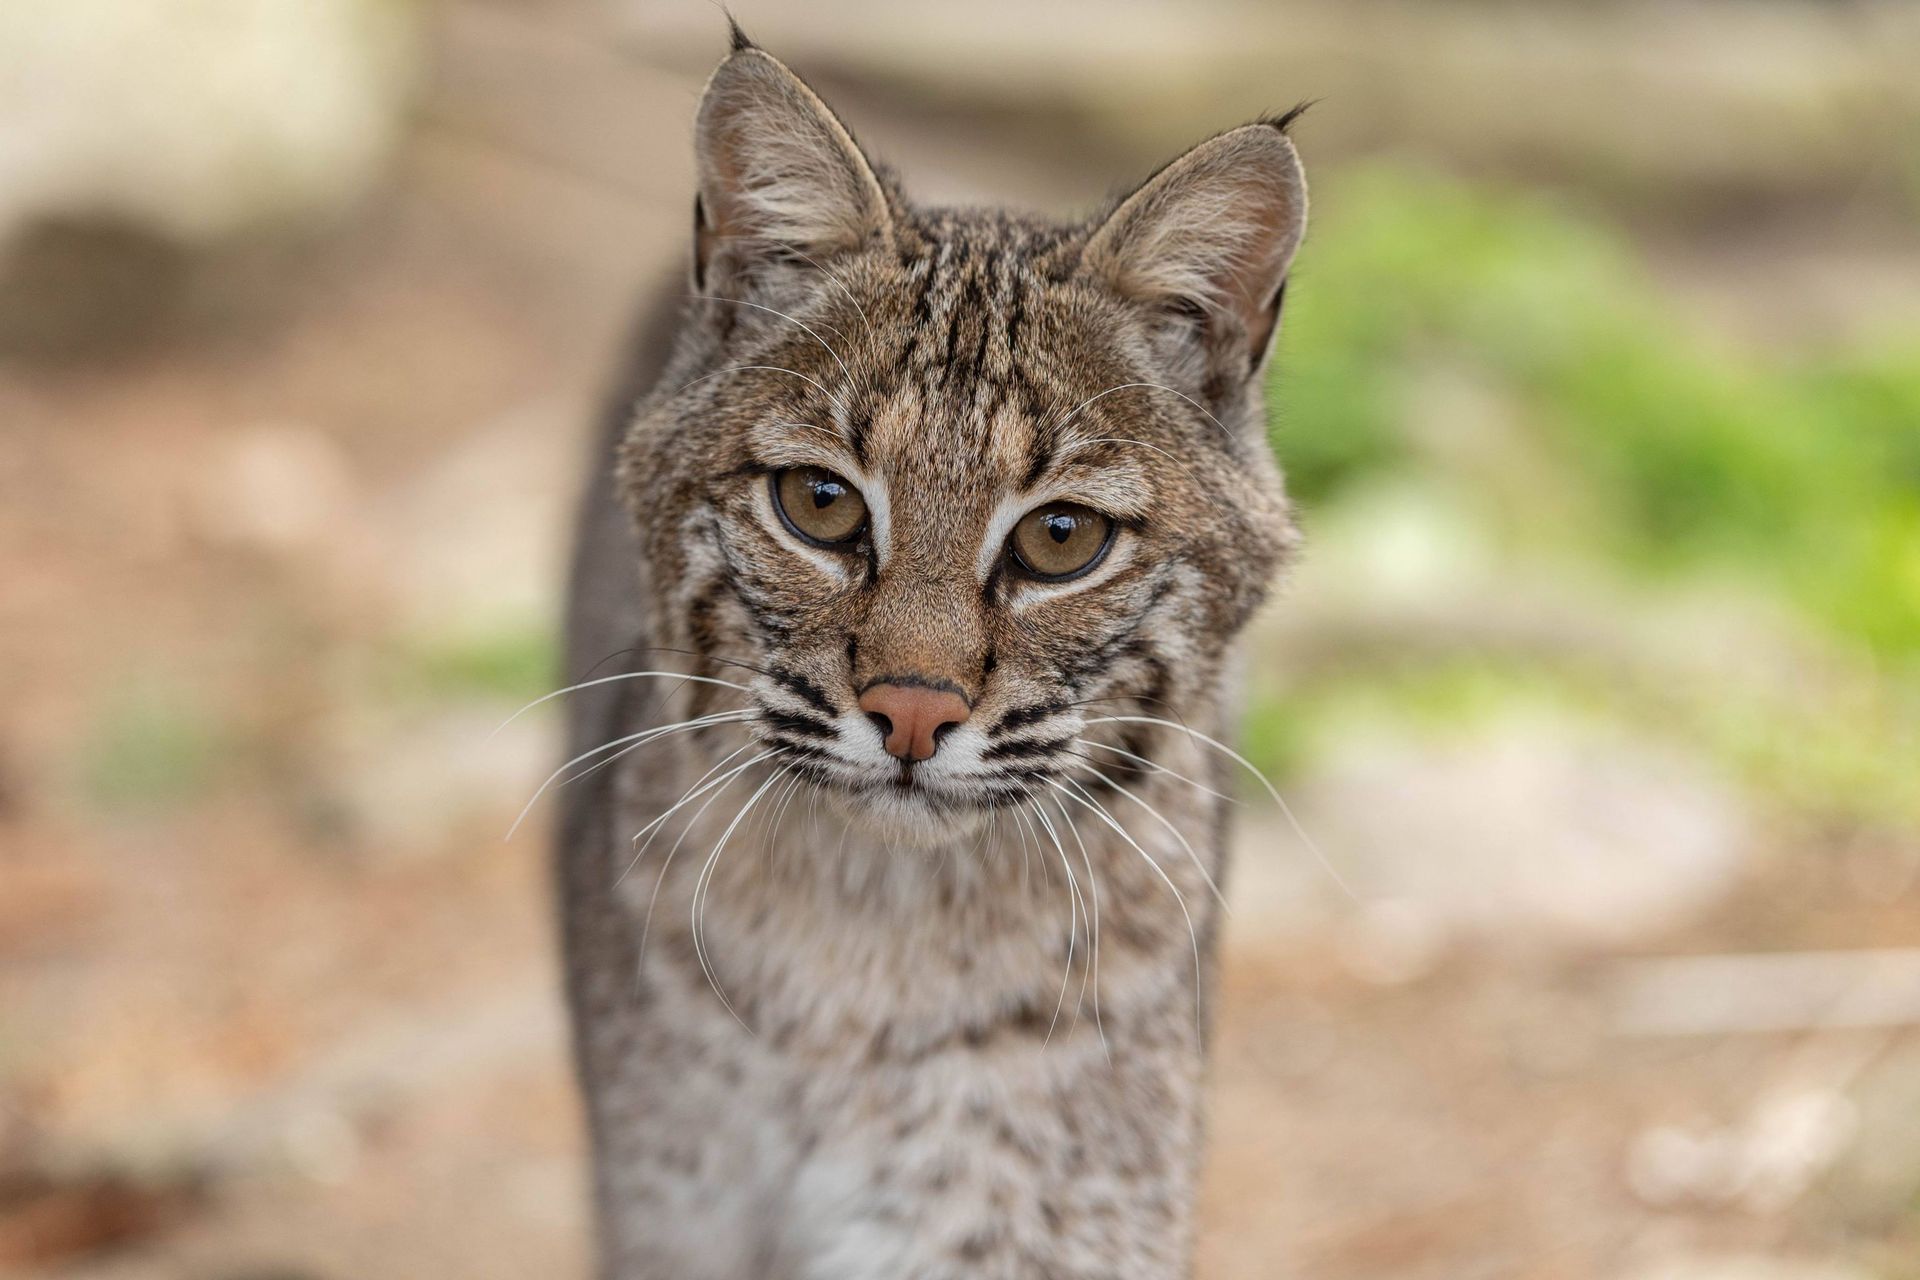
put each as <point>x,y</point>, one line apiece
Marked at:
<point>1600,680</point>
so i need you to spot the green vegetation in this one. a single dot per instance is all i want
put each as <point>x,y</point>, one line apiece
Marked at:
<point>1513,362</point>
<point>152,748</point>
<point>506,664</point>
<point>1638,440</point>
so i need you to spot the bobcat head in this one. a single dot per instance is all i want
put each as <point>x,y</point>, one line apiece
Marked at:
<point>951,489</point>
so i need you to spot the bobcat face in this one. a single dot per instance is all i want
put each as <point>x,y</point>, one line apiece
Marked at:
<point>945,489</point>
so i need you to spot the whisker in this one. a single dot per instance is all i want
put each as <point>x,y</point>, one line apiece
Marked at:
<point>700,656</point>
<point>837,284</point>
<point>1075,907</point>
<point>810,330</point>
<point>767,368</point>
<point>1093,885</point>
<point>1128,386</point>
<point>1144,769</point>
<point>705,879</point>
<point>1090,441</point>
<point>637,740</point>
<point>1156,767</point>
<point>652,830</point>
<point>646,925</point>
<point>1172,830</point>
<point>779,813</point>
<point>625,675</point>
<point>1248,765</point>
<point>1072,789</point>
<point>1026,857</point>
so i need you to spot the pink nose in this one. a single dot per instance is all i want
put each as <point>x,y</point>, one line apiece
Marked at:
<point>912,717</point>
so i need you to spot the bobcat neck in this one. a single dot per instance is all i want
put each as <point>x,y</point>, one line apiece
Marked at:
<point>812,925</point>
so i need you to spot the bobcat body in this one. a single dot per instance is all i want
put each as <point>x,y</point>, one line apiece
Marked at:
<point>891,960</point>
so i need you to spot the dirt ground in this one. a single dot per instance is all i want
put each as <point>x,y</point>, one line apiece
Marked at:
<point>277,1000</point>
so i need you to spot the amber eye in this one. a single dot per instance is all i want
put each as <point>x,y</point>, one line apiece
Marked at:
<point>1060,541</point>
<point>819,506</point>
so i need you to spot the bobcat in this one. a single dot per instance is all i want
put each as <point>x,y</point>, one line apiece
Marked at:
<point>943,523</point>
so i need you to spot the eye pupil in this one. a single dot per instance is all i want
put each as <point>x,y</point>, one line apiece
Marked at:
<point>824,495</point>
<point>1060,528</point>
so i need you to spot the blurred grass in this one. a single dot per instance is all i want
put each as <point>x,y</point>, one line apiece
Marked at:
<point>504,663</point>
<point>1650,444</point>
<point>1604,434</point>
<point>152,747</point>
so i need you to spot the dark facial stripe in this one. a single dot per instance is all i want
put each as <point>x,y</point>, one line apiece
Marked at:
<point>802,688</point>
<point>798,748</point>
<point>805,726</point>
<point>1025,748</point>
<point>1020,717</point>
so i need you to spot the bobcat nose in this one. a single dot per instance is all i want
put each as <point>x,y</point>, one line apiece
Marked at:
<point>913,718</point>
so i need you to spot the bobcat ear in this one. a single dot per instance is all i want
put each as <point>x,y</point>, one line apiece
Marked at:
<point>777,171</point>
<point>1209,238</point>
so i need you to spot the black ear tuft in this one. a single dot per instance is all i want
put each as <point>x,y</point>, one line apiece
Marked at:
<point>1285,119</point>
<point>1211,237</point>
<point>735,35</point>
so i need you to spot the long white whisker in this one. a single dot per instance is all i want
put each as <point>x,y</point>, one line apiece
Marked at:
<point>1100,811</point>
<point>1089,442</point>
<point>646,925</point>
<point>705,879</point>
<point>1325,863</point>
<point>1093,885</point>
<point>652,830</point>
<point>730,718</point>
<point>1172,830</point>
<point>810,330</point>
<point>627,675</point>
<point>779,813</point>
<point>837,284</point>
<point>1127,386</point>
<point>636,740</point>
<point>1075,907</point>
<point>768,368</point>
<point>1157,767</point>
<point>1026,854</point>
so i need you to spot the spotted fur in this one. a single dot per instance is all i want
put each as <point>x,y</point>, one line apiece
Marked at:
<point>941,1019</point>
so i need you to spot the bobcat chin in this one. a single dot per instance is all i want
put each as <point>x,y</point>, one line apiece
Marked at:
<point>905,604</point>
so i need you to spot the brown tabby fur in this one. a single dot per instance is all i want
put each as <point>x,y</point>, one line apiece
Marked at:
<point>945,1021</point>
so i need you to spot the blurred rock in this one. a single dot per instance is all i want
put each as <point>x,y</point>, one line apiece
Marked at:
<point>1535,828</point>
<point>275,488</point>
<point>1762,1164</point>
<point>197,121</point>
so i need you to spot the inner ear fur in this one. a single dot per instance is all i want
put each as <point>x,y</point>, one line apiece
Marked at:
<point>1210,237</point>
<point>778,173</point>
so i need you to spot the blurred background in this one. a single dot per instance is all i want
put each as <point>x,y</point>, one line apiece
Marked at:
<point>1600,681</point>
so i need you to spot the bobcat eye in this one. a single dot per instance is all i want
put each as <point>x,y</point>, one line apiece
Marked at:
<point>818,506</point>
<point>1060,541</point>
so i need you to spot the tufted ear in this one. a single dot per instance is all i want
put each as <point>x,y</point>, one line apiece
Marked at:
<point>1206,242</point>
<point>778,172</point>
